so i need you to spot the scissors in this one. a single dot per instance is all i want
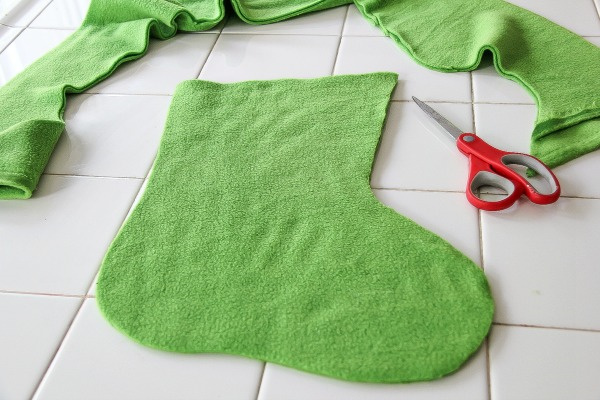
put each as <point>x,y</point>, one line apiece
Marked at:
<point>489,166</point>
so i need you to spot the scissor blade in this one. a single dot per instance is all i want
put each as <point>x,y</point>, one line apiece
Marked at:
<point>443,122</point>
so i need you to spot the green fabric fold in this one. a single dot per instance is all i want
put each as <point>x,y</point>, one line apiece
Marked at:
<point>558,68</point>
<point>266,12</point>
<point>260,237</point>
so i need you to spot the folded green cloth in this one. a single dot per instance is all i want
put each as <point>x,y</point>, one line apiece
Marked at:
<point>258,235</point>
<point>557,67</point>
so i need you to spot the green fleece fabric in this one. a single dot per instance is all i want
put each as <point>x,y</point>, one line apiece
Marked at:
<point>558,68</point>
<point>113,32</point>
<point>269,11</point>
<point>258,235</point>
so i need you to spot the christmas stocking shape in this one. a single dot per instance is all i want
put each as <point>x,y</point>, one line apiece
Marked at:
<point>258,235</point>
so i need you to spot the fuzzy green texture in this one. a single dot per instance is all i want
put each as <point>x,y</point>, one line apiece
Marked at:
<point>266,12</point>
<point>113,32</point>
<point>558,68</point>
<point>258,235</point>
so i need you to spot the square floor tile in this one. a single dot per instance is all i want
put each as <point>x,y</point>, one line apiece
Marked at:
<point>32,329</point>
<point>167,63</point>
<point>24,12</point>
<point>326,22</point>
<point>110,135</point>
<point>490,87</point>
<point>357,25</point>
<point>62,14</point>
<point>59,236</point>
<point>469,382</point>
<point>7,35</point>
<point>549,364</point>
<point>448,215</point>
<point>542,263</point>
<point>374,54</point>
<point>248,57</point>
<point>30,45</point>
<point>98,362</point>
<point>508,127</point>
<point>579,16</point>
<point>415,154</point>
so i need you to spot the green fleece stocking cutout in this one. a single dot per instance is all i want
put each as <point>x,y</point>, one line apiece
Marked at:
<point>258,235</point>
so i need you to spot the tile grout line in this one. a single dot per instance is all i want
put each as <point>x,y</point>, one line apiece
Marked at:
<point>211,50</point>
<point>418,190</point>
<point>556,328</point>
<point>70,326</point>
<point>21,30</point>
<point>339,45</point>
<point>90,92</point>
<point>260,381</point>
<point>53,28</point>
<point>279,34</point>
<point>466,102</point>
<point>37,387</point>
<point>81,296</point>
<point>481,263</point>
<point>94,176</point>
<point>487,367</point>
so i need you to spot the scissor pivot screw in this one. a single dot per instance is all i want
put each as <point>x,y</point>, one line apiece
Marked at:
<point>468,138</point>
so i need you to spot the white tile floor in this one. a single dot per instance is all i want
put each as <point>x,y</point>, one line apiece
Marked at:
<point>542,262</point>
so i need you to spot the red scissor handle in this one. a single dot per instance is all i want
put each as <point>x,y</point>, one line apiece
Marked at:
<point>491,167</point>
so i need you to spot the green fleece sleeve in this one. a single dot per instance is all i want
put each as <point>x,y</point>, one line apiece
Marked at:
<point>559,69</point>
